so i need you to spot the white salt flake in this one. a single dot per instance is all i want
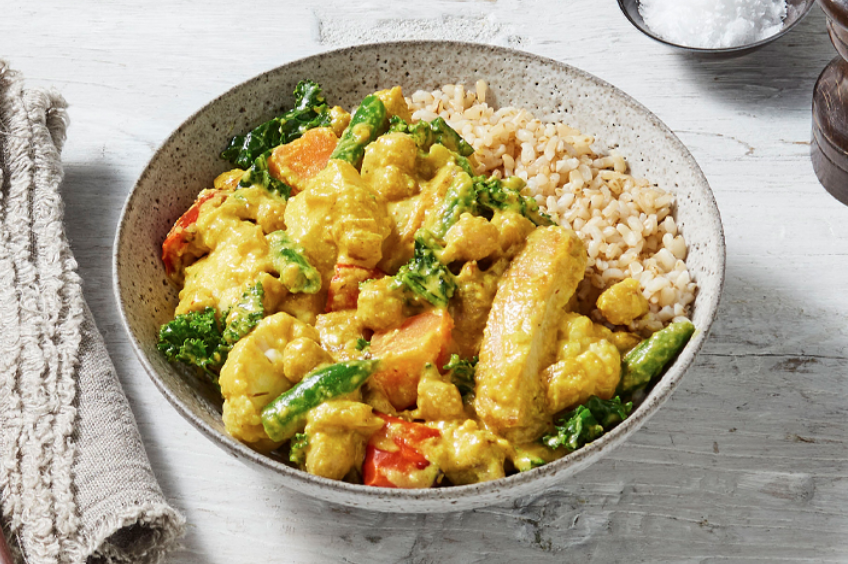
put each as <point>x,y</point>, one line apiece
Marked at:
<point>713,24</point>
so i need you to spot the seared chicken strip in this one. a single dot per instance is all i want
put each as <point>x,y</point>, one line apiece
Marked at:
<point>520,335</point>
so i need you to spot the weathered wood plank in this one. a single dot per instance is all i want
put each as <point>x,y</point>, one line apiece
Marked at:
<point>747,461</point>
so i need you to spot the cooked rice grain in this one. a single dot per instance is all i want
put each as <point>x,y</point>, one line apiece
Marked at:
<point>627,225</point>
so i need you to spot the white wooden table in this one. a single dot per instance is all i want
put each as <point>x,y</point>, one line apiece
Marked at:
<point>747,462</point>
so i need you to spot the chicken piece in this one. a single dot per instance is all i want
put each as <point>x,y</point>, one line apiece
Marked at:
<point>622,303</point>
<point>586,364</point>
<point>520,334</point>
<point>470,305</point>
<point>337,432</point>
<point>254,375</point>
<point>338,219</point>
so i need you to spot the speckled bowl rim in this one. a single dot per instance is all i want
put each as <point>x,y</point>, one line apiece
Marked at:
<point>468,496</point>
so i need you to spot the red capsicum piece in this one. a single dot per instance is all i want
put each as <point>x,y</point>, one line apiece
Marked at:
<point>393,456</point>
<point>179,237</point>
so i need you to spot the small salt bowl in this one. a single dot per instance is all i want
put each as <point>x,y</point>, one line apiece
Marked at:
<point>795,12</point>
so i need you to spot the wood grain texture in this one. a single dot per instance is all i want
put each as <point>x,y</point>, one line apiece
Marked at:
<point>746,462</point>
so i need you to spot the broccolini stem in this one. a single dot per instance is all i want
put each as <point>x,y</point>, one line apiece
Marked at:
<point>647,360</point>
<point>284,416</point>
<point>369,121</point>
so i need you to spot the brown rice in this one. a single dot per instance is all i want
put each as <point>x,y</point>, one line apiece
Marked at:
<point>627,225</point>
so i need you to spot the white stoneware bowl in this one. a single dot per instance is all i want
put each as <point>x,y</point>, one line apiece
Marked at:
<point>188,161</point>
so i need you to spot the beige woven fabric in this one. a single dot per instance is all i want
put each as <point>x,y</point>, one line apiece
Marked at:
<point>75,483</point>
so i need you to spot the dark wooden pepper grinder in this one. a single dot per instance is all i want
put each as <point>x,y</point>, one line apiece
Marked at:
<point>830,107</point>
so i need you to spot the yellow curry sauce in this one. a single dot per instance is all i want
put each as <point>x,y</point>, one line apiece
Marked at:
<point>515,283</point>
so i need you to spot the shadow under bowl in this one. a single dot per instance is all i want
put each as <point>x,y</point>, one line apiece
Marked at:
<point>796,10</point>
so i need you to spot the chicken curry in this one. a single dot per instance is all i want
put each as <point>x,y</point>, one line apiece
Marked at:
<point>373,311</point>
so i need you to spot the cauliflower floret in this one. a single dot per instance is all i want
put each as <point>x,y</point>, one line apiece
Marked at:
<point>254,375</point>
<point>470,238</point>
<point>437,398</point>
<point>395,103</point>
<point>621,303</point>
<point>340,332</point>
<point>389,166</point>
<point>466,453</point>
<point>380,304</point>
<point>337,432</point>
<point>586,364</point>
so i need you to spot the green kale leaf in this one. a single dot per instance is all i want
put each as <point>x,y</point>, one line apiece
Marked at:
<point>258,175</point>
<point>197,338</point>
<point>296,272</point>
<point>310,110</point>
<point>462,375</point>
<point>460,198</point>
<point>246,314</point>
<point>424,275</point>
<point>587,422</point>
<point>193,338</point>
<point>494,194</point>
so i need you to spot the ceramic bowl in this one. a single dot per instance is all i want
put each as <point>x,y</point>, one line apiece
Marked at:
<point>187,162</point>
<point>796,10</point>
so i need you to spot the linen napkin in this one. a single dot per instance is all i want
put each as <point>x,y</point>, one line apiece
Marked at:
<point>75,483</point>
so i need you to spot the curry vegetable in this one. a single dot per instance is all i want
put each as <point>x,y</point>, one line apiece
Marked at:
<point>647,360</point>
<point>197,339</point>
<point>587,422</point>
<point>244,316</point>
<point>297,450</point>
<point>375,236</point>
<point>428,133</point>
<point>460,198</point>
<point>494,194</point>
<point>193,338</point>
<point>368,122</point>
<point>258,175</point>
<point>424,275</point>
<point>310,110</point>
<point>283,416</point>
<point>290,260</point>
<point>462,375</point>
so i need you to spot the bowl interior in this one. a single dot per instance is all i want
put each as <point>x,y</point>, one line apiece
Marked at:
<point>795,12</point>
<point>188,161</point>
